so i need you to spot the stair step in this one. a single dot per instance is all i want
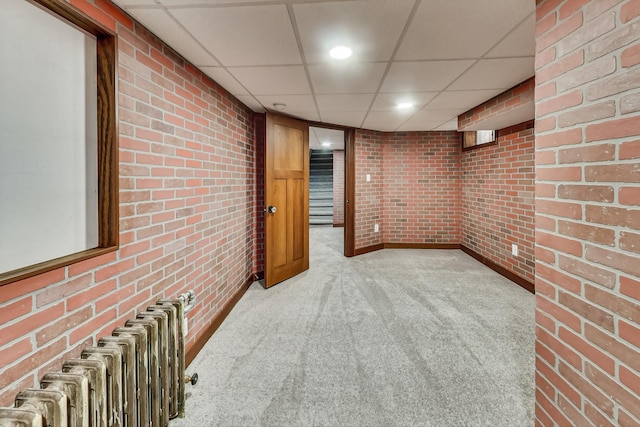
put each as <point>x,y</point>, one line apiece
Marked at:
<point>320,212</point>
<point>318,195</point>
<point>325,206</point>
<point>320,222</point>
<point>321,188</point>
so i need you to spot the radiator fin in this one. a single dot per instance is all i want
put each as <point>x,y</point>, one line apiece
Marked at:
<point>133,378</point>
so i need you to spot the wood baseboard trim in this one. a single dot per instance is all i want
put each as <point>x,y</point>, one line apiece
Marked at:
<point>339,224</point>
<point>379,246</point>
<point>192,352</point>
<point>500,270</point>
<point>422,246</point>
<point>368,249</point>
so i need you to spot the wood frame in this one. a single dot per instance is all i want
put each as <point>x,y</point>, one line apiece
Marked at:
<point>349,183</point>
<point>107,140</point>
<point>468,140</point>
<point>349,192</point>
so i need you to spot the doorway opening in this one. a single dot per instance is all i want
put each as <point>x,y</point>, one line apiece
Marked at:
<point>326,186</point>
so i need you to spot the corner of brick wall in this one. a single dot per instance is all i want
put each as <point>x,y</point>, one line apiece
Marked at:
<point>368,195</point>
<point>421,187</point>
<point>588,213</point>
<point>498,200</point>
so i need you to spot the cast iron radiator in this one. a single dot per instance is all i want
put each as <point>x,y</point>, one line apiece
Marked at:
<point>135,377</point>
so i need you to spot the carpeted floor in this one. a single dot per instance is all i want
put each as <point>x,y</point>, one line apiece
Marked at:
<point>389,338</point>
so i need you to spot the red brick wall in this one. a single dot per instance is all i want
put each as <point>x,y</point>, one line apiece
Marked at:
<point>513,99</point>
<point>588,213</point>
<point>187,211</point>
<point>368,203</point>
<point>259,123</point>
<point>414,192</point>
<point>498,200</point>
<point>421,187</point>
<point>338,187</point>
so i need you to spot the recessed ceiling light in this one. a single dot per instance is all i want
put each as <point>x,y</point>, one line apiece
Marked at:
<point>326,144</point>
<point>341,52</point>
<point>279,106</point>
<point>405,105</point>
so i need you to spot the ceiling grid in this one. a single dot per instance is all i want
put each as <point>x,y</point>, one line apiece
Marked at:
<point>441,57</point>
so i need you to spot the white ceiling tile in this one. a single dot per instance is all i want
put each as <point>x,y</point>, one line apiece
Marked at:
<point>450,125</point>
<point>208,2</point>
<point>495,74</point>
<point>357,24</point>
<point>224,79</point>
<point>346,77</point>
<point>415,126</point>
<point>294,103</point>
<point>352,102</point>
<point>437,115</point>
<point>251,102</point>
<point>445,29</point>
<point>390,101</point>
<point>317,136</point>
<point>165,27</point>
<point>384,120</point>
<point>423,76</point>
<point>124,4</point>
<point>344,118</point>
<point>244,35</point>
<point>428,120</point>
<point>521,41</point>
<point>465,99</point>
<point>288,80</point>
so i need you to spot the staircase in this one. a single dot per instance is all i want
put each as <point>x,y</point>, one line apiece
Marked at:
<point>321,187</point>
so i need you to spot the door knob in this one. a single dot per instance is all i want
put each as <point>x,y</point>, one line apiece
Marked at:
<point>271,209</point>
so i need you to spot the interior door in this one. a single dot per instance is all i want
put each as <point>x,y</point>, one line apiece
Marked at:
<point>286,198</point>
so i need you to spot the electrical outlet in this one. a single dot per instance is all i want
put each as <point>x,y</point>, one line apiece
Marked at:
<point>514,249</point>
<point>376,228</point>
<point>368,177</point>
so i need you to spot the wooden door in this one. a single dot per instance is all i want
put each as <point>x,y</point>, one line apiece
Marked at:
<point>286,198</point>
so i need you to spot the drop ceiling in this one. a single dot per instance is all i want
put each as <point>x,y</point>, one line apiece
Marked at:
<point>443,56</point>
<point>325,139</point>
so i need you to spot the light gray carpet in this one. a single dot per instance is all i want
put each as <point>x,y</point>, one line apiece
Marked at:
<point>390,338</point>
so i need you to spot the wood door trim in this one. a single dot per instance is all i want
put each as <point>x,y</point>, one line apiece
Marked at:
<point>349,191</point>
<point>524,283</point>
<point>193,350</point>
<point>349,179</point>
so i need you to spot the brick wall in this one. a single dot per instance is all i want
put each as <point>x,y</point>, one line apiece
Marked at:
<point>498,200</point>
<point>259,123</point>
<point>588,213</point>
<point>432,193</point>
<point>188,211</point>
<point>421,187</point>
<point>338,187</point>
<point>368,203</point>
<point>519,98</point>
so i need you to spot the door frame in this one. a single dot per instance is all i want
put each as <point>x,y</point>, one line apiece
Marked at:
<point>349,183</point>
<point>349,192</point>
